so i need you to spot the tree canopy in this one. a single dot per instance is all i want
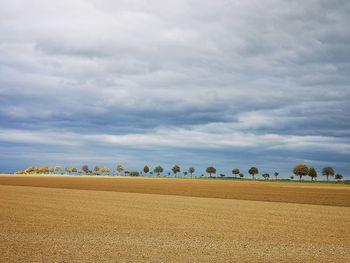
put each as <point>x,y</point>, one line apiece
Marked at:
<point>119,168</point>
<point>328,171</point>
<point>312,173</point>
<point>96,168</point>
<point>338,177</point>
<point>176,169</point>
<point>85,168</point>
<point>159,169</point>
<point>301,170</point>
<point>191,170</point>
<point>266,176</point>
<point>235,171</point>
<point>211,170</point>
<point>145,169</point>
<point>253,171</point>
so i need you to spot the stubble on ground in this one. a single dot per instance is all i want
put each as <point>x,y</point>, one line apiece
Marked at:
<point>66,225</point>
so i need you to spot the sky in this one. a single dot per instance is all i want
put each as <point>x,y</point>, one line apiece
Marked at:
<point>191,82</point>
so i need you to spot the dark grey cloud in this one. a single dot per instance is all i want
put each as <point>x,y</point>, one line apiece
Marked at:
<point>204,81</point>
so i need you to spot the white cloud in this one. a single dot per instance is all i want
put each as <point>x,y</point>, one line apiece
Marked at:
<point>180,138</point>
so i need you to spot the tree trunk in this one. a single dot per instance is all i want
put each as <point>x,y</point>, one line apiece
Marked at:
<point>300,177</point>
<point>327,177</point>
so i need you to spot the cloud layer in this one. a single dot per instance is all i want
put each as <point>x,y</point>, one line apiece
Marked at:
<point>226,83</point>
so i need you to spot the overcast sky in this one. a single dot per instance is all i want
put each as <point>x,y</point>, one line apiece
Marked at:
<point>195,83</point>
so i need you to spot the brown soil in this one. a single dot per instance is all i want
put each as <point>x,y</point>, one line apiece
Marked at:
<point>301,193</point>
<point>66,225</point>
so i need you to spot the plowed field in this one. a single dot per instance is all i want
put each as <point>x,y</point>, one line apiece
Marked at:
<point>80,219</point>
<point>290,192</point>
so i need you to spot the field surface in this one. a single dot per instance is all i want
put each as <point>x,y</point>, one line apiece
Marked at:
<point>290,192</point>
<point>81,219</point>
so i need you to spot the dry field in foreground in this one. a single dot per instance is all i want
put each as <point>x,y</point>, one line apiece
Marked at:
<point>40,224</point>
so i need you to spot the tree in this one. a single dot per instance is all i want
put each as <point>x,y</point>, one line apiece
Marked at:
<point>145,169</point>
<point>328,171</point>
<point>301,170</point>
<point>74,170</point>
<point>235,172</point>
<point>119,168</point>
<point>241,175</point>
<point>253,171</point>
<point>105,170</point>
<point>159,169</point>
<point>312,173</point>
<point>97,169</point>
<point>58,169</point>
<point>338,177</point>
<point>222,175</point>
<point>211,170</point>
<point>30,170</point>
<point>191,170</point>
<point>176,169</point>
<point>266,176</point>
<point>67,170</point>
<point>134,173</point>
<point>276,174</point>
<point>85,168</point>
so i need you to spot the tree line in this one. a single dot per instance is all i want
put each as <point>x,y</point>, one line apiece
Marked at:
<point>300,170</point>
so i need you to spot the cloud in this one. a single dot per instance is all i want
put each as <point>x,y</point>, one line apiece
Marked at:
<point>177,76</point>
